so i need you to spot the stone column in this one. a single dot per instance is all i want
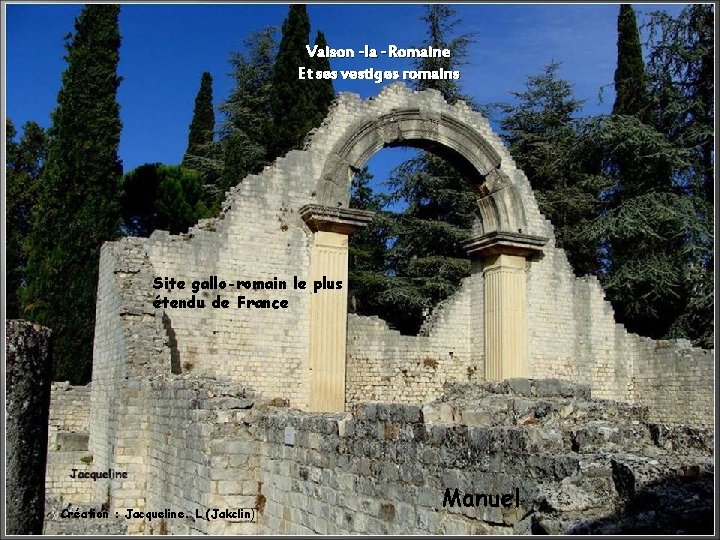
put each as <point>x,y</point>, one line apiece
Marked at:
<point>328,307</point>
<point>29,370</point>
<point>504,258</point>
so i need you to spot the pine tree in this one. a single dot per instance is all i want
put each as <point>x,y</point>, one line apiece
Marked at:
<point>680,71</point>
<point>297,105</point>
<point>246,133</point>
<point>546,140</point>
<point>163,197</point>
<point>23,168</point>
<point>441,22</point>
<point>77,207</point>
<point>368,250</point>
<point>426,258</point>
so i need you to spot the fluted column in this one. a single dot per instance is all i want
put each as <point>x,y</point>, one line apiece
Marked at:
<point>328,307</point>
<point>504,258</point>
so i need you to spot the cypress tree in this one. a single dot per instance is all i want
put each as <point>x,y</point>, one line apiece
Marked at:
<point>77,207</point>
<point>291,98</point>
<point>202,152</point>
<point>203,121</point>
<point>297,105</point>
<point>324,93</point>
<point>643,228</point>
<point>630,80</point>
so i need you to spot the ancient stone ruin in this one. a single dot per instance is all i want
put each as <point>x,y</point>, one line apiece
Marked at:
<point>520,384</point>
<point>28,375</point>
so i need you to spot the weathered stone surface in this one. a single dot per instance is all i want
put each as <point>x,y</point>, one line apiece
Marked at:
<point>195,404</point>
<point>29,369</point>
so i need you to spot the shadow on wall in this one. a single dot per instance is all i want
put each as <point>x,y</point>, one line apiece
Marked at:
<point>679,504</point>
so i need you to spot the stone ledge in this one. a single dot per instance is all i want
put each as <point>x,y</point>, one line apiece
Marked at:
<point>504,243</point>
<point>339,220</point>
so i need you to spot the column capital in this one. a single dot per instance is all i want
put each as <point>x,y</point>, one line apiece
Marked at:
<point>337,220</point>
<point>504,243</point>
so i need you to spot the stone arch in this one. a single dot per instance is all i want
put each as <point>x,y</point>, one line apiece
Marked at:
<point>353,131</point>
<point>500,206</point>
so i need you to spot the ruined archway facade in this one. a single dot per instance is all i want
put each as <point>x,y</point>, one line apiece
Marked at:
<point>171,386</point>
<point>521,313</point>
<point>503,245</point>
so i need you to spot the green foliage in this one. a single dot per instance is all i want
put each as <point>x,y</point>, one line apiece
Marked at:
<point>656,230</point>
<point>441,22</point>
<point>23,168</point>
<point>408,262</point>
<point>202,152</point>
<point>680,68</point>
<point>247,131</point>
<point>427,255</point>
<point>548,144</point>
<point>77,207</point>
<point>367,250</point>
<point>202,126</point>
<point>630,80</point>
<point>324,93</point>
<point>297,105</point>
<point>164,197</point>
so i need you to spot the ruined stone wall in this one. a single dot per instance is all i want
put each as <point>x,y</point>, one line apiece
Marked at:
<point>68,435</point>
<point>384,469</point>
<point>260,235</point>
<point>198,458</point>
<point>383,365</point>
<point>69,410</point>
<point>676,381</point>
<point>131,344</point>
<point>574,462</point>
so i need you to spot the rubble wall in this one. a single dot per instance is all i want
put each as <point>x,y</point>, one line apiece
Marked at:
<point>68,449</point>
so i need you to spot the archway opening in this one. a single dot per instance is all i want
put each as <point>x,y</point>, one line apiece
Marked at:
<point>411,257</point>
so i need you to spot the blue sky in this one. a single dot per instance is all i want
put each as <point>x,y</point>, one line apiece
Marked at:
<point>166,47</point>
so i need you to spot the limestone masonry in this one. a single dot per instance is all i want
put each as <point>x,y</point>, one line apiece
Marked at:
<point>268,409</point>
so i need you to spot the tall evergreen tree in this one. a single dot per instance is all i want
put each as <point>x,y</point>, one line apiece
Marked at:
<point>368,250</point>
<point>202,152</point>
<point>644,227</point>
<point>546,140</point>
<point>297,105</point>
<point>442,20</point>
<point>680,69</point>
<point>77,207</point>
<point>630,80</point>
<point>202,126</point>
<point>425,261</point>
<point>23,168</point>
<point>290,100</point>
<point>246,133</point>
<point>324,93</point>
